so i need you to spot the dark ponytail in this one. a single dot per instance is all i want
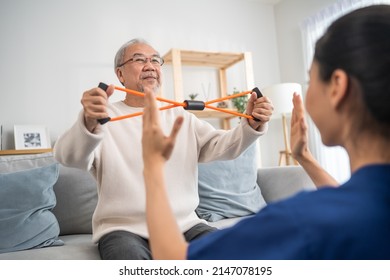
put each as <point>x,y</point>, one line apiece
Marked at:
<point>359,44</point>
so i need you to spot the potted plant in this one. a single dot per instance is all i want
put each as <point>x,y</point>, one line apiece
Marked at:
<point>239,102</point>
<point>193,96</point>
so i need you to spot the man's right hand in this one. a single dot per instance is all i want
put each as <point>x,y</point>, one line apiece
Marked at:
<point>95,102</point>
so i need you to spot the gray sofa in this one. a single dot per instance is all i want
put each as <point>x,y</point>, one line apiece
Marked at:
<point>75,192</point>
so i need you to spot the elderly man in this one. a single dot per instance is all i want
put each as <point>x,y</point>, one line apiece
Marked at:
<point>113,153</point>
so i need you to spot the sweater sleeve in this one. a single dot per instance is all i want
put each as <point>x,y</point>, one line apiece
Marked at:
<point>218,144</point>
<point>75,148</point>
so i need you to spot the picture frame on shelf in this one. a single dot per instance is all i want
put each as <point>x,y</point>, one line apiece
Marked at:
<point>31,137</point>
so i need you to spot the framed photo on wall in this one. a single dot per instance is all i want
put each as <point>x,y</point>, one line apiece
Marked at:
<point>31,137</point>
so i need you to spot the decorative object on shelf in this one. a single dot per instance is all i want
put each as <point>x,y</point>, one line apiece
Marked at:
<point>31,137</point>
<point>193,96</point>
<point>239,102</point>
<point>281,96</point>
<point>222,104</point>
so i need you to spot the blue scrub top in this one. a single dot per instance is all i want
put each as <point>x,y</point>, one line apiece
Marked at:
<point>348,222</point>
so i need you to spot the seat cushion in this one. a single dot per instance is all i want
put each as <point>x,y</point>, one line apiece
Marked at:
<point>76,247</point>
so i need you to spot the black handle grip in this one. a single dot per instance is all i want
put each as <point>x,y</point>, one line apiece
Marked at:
<point>194,105</point>
<point>259,94</point>
<point>104,87</point>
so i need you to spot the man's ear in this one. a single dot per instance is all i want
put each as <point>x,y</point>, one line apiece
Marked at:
<point>119,74</point>
<point>339,87</point>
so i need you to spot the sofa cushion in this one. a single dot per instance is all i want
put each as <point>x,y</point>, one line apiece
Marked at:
<point>77,247</point>
<point>76,200</point>
<point>282,182</point>
<point>228,189</point>
<point>26,198</point>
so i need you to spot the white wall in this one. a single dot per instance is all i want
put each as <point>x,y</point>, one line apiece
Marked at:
<point>51,51</point>
<point>289,14</point>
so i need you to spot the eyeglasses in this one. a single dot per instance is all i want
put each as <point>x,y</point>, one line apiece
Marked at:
<point>141,59</point>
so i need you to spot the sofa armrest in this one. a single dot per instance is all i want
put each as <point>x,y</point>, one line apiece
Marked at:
<point>277,183</point>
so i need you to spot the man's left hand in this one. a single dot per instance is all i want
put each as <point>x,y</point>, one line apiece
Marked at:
<point>261,109</point>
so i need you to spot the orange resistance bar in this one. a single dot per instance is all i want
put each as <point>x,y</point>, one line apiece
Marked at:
<point>229,112</point>
<point>228,97</point>
<point>177,104</point>
<point>142,94</point>
<point>140,113</point>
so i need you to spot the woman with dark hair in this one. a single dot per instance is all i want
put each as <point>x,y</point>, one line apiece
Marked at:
<point>348,99</point>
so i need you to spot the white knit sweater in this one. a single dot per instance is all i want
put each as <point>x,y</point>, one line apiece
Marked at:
<point>114,156</point>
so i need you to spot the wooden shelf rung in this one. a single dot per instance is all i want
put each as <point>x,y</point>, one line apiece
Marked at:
<point>24,152</point>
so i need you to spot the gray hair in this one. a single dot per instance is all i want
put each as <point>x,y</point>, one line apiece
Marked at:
<point>120,54</point>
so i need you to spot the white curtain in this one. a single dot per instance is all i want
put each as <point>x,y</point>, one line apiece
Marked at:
<point>334,160</point>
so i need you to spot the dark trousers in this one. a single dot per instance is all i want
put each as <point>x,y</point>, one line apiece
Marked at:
<point>124,245</point>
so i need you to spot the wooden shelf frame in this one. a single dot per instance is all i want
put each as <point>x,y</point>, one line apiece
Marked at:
<point>24,152</point>
<point>219,60</point>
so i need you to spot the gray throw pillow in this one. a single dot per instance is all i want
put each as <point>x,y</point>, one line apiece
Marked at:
<point>76,200</point>
<point>228,189</point>
<point>26,201</point>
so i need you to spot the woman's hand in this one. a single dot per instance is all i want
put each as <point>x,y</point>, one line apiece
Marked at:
<point>299,134</point>
<point>156,147</point>
<point>300,150</point>
<point>165,238</point>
